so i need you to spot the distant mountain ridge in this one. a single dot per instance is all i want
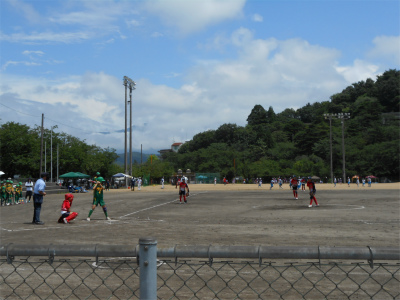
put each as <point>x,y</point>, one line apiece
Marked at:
<point>135,157</point>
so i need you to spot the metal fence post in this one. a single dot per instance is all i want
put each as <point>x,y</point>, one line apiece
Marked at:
<point>148,268</point>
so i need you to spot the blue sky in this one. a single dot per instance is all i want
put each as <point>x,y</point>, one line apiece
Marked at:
<point>196,64</point>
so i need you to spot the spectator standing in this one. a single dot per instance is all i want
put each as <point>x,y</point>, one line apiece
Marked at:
<point>303,184</point>
<point>132,184</point>
<point>139,184</point>
<point>39,191</point>
<point>29,189</point>
<point>334,182</point>
<point>162,182</point>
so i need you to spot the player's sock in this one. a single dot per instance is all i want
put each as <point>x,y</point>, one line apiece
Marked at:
<point>105,211</point>
<point>90,213</point>
<point>315,200</point>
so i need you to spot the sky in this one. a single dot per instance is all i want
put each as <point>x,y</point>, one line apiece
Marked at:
<point>197,64</point>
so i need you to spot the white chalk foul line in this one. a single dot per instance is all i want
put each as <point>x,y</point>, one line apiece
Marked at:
<point>154,206</point>
<point>144,209</point>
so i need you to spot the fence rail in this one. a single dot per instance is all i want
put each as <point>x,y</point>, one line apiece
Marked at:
<point>197,272</point>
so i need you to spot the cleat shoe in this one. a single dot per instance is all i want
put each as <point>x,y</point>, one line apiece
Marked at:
<point>317,205</point>
<point>88,219</point>
<point>297,198</point>
<point>310,206</point>
<point>108,218</point>
<point>185,202</point>
<point>65,221</point>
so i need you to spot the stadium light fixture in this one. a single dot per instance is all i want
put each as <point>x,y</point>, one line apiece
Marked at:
<point>128,83</point>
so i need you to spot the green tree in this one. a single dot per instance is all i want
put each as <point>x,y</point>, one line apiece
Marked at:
<point>257,116</point>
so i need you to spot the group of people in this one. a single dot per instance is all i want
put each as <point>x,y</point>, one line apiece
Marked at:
<point>11,194</point>
<point>39,191</point>
<point>335,181</point>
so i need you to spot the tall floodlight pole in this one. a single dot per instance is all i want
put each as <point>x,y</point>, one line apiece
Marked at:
<point>131,88</point>
<point>126,123</point>
<point>329,117</point>
<point>128,82</point>
<point>343,116</point>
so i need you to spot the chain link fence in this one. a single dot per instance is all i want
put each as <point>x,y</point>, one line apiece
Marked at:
<point>198,272</point>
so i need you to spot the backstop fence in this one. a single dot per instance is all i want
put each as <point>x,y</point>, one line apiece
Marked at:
<point>197,272</point>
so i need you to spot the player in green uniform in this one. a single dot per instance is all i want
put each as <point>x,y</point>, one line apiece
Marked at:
<point>18,193</point>
<point>9,192</point>
<point>98,198</point>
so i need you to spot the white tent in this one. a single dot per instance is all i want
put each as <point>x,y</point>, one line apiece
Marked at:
<point>119,175</point>
<point>2,173</point>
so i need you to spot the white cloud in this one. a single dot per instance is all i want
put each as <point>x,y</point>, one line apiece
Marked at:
<point>270,72</point>
<point>192,16</point>
<point>360,70</point>
<point>14,63</point>
<point>28,52</point>
<point>47,37</point>
<point>257,18</point>
<point>387,47</point>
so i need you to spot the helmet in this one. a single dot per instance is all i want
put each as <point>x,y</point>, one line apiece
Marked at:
<point>101,179</point>
<point>69,197</point>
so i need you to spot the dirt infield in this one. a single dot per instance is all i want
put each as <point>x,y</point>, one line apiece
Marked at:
<point>219,215</point>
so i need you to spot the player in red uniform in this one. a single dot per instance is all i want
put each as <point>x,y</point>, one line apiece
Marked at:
<point>66,214</point>
<point>311,186</point>
<point>183,187</point>
<point>294,186</point>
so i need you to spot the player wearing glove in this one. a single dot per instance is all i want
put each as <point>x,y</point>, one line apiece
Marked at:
<point>66,214</point>
<point>183,187</point>
<point>311,186</point>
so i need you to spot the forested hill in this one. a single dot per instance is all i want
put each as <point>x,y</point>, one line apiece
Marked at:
<point>298,141</point>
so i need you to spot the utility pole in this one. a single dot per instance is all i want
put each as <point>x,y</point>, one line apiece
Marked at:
<point>41,148</point>
<point>57,163</point>
<point>330,116</point>
<point>341,116</point>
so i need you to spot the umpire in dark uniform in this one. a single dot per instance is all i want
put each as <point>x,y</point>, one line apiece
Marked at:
<point>38,194</point>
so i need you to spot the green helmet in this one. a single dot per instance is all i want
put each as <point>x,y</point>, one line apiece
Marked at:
<point>101,179</point>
